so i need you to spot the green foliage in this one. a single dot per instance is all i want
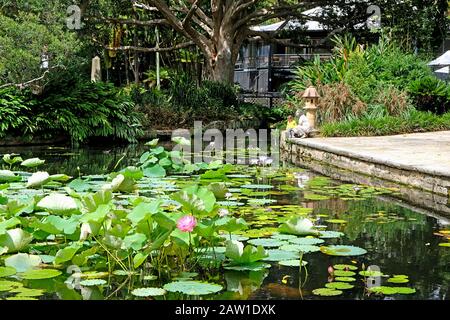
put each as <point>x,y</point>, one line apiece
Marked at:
<point>431,94</point>
<point>413,121</point>
<point>79,110</point>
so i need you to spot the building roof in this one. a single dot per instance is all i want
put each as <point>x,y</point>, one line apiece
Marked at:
<point>309,25</point>
<point>443,60</point>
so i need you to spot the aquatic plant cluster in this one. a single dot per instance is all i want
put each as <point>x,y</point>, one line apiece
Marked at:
<point>171,224</point>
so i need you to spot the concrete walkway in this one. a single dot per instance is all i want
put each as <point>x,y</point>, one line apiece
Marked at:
<point>423,152</point>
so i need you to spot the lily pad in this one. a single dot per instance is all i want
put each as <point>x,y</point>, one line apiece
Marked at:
<point>281,236</point>
<point>341,250</point>
<point>93,282</point>
<point>392,290</point>
<point>345,279</point>
<point>371,273</point>
<point>342,273</point>
<point>193,287</point>
<point>148,292</point>
<point>345,267</point>
<point>306,248</point>
<point>292,263</point>
<point>330,234</point>
<point>315,197</point>
<point>327,292</point>
<point>267,242</point>
<point>40,274</point>
<point>7,271</point>
<point>255,266</point>
<point>280,255</point>
<point>339,285</point>
<point>306,241</point>
<point>257,186</point>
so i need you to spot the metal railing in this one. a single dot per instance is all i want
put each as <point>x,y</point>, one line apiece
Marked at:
<point>278,60</point>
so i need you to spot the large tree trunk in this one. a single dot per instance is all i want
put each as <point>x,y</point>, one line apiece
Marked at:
<point>220,65</point>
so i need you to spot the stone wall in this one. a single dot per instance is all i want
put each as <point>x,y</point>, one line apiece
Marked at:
<point>421,189</point>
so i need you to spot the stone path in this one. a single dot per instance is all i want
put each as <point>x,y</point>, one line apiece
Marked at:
<point>424,152</point>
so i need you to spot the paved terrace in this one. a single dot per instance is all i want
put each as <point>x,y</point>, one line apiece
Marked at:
<point>424,152</point>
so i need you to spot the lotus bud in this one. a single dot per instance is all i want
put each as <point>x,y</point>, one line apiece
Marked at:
<point>186,223</point>
<point>85,231</point>
<point>330,270</point>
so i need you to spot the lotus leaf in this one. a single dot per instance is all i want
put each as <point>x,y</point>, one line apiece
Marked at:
<point>193,287</point>
<point>342,273</point>
<point>93,282</point>
<point>306,241</point>
<point>148,292</point>
<point>344,267</point>
<point>267,242</point>
<point>23,262</point>
<point>33,162</point>
<point>341,250</point>
<point>7,271</point>
<point>339,285</point>
<point>280,255</point>
<point>239,255</point>
<point>305,248</point>
<point>327,292</point>
<point>58,204</point>
<point>292,263</point>
<point>40,274</point>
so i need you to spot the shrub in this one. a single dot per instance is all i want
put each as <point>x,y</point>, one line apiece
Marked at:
<point>408,122</point>
<point>80,111</point>
<point>430,94</point>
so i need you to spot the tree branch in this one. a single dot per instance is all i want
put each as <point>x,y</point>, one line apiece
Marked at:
<point>155,49</point>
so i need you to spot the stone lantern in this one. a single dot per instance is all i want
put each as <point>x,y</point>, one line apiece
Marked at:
<point>311,97</point>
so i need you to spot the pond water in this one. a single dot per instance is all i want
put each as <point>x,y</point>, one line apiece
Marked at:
<point>398,240</point>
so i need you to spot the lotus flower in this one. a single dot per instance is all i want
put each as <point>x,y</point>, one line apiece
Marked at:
<point>186,223</point>
<point>223,212</point>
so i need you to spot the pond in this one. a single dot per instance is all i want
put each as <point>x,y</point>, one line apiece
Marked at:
<point>119,235</point>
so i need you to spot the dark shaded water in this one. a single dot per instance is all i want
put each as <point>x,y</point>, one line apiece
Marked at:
<point>403,244</point>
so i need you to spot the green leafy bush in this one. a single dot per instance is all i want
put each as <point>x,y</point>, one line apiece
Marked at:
<point>80,111</point>
<point>430,94</point>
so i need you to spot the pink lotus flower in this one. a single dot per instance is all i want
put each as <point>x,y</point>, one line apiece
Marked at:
<point>331,270</point>
<point>186,223</point>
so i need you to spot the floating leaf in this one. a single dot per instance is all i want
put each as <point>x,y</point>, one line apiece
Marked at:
<point>398,279</point>
<point>93,282</point>
<point>41,274</point>
<point>284,236</point>
<point>341,250</point>
<point>7,271</point>
<point>330,234</point>
<point>195,288</point>
<point>148,292</point>
<point>371,273</point>
<point>338,221</point>
<point>254,266</point>
<point>267,242</point>
<point>298,247</point>
<point>306,241</point>
<point>292,263</point>
<point>345,279</point>
<point>392,290</point>
<point>339,285</point>
<point>315,197</point>
<point>345,266</point>
<point>9,285</point>
<point>445,244</point>
<point>280,255</point>
<point>257,186</point>
<point>342,273</point>
<point>326,292</point>
<point>26,292</point>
